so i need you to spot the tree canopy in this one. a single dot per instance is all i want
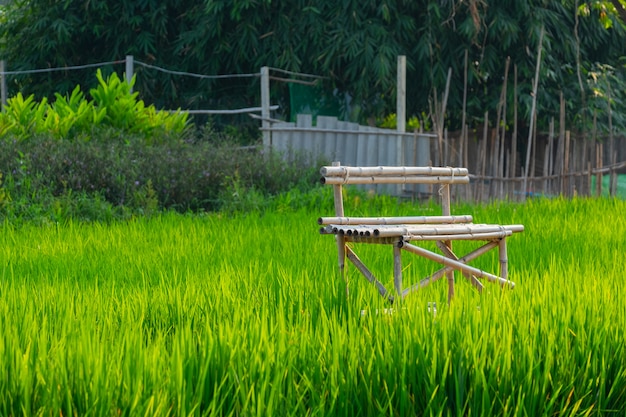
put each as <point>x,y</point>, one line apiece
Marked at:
<point>353,43</point>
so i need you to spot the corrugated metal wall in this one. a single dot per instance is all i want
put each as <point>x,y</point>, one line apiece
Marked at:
<point>351,144</point>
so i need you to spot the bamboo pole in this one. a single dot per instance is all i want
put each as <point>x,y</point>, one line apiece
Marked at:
<point>532,111</point>
<point>379,171</point>
<point>498,150</point>
<point>394,220</point>
<point>438,116</point>
<point>463,146</point>
<point>514,144</point>
<point>400,107</point>
<point>340,240</point>
<point>544,187</point>
<point>612,153</point>
<point>456,264</point>
<point>599,152</point>
<point>504,260</point>
<point>533,160</point>
<point>566,183</point>
<point>440,273</point>
<point>560,152</point>
<point>483,157</point>
<point>397,180</point>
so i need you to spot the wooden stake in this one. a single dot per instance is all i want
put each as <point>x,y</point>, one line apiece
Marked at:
<point>483,156</point>
<point>599,152</point>
<point>514,144</point>
<point>565,181</point>
<point>532,111</point>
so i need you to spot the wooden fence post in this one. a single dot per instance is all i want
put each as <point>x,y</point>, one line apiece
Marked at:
<point>3,85</point>
<point>130,68</point>
<point>400,108</point>
<point>265,107</point>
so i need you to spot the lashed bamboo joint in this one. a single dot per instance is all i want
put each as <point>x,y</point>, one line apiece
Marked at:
<point>403,233</point>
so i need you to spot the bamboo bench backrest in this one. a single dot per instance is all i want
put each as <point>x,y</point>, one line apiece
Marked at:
<point>338,175</point>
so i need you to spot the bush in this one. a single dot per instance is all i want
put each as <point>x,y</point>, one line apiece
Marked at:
<point>113,105</point>
<point>123,177</point>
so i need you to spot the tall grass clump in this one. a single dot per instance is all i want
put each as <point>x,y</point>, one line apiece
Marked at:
<point>245,314</point>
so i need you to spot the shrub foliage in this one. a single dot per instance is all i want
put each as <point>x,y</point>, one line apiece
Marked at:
<point>111,156</point>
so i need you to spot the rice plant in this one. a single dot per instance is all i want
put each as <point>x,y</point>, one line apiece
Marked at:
<point>245,315</point>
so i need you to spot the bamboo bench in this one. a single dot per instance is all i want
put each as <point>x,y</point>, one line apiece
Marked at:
<point>405,233</point>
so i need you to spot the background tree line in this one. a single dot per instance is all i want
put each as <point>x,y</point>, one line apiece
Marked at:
<point>352,43</point>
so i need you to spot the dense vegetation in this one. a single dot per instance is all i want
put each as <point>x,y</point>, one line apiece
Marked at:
<point>244,315</point>
<point>111,157</point>
<point>353,43</point>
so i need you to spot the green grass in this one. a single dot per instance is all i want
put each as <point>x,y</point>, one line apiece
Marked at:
<point>245,315</point>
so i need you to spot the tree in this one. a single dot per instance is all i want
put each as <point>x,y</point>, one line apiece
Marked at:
<point>353,43</point>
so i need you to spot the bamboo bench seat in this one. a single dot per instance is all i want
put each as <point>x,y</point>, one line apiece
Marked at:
<point>406,233</point>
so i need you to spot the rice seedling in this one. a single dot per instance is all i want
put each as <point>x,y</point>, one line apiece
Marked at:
<point>245,315</point>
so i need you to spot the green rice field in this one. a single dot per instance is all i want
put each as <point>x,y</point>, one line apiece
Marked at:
<point>244,314</point>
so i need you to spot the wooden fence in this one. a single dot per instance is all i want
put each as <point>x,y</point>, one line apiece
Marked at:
<point>559,164</point>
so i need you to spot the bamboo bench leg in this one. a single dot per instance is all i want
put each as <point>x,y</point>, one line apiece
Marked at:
<point>397,270</point>
<point>450,274</point>
<point>504,271</point>
<point>341,253</point>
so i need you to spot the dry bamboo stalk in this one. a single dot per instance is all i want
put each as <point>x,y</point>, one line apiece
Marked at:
<point>440,116</point>
<point>545,167</point>
<point>560,150</point>
<point>501,173</point>
<point>464,111</point>
<point>483,157</point>
<point>394,220</point>
<point>599,152</point>
<point>397,180</point>
<point>589,177</point>
<point>465,146</point>
<point>613,176</point>
<point>455,264</point>
<point>565,183</point>
<point>613,173</point>
<point>514,144</point>
<point>446,147</point>
<point>534,150</point>
<point>380,171</point>
<point>550,155</point>
<point>493,156</point>
<point>532,111</point>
